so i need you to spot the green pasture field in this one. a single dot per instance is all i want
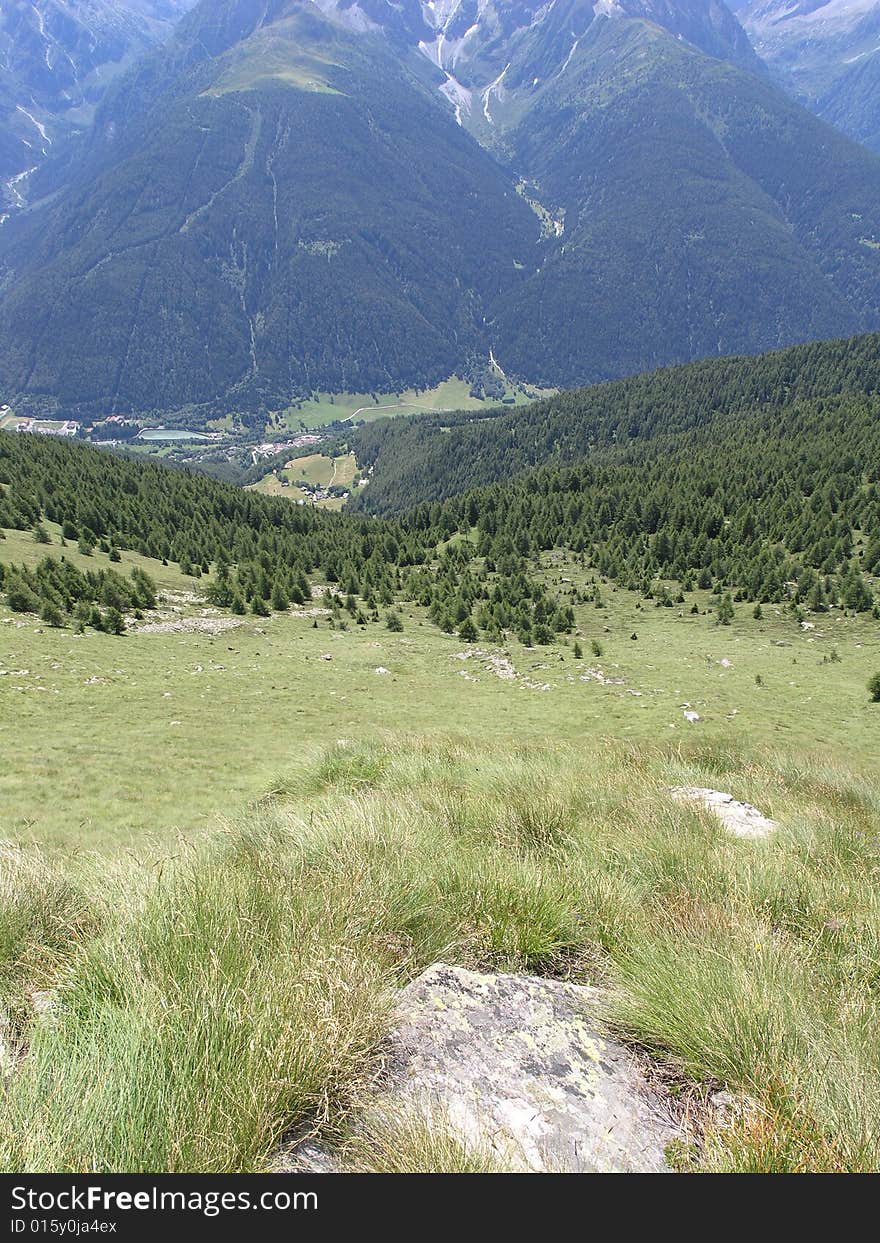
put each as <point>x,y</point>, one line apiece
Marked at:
<point>126,741</point>
<point>314,468</point>
<point>451,394</point>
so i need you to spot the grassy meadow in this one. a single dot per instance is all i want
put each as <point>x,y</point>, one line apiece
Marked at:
<point>224,852</point>
<point>115,739</point>
<point>451,394</point>
<point>318,469</point>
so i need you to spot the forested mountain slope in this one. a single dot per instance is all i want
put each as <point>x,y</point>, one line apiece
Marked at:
<point>299,215</point>
<point>853,102</point>
<point>57,58</point>
<point>289,198</point>
<point>704,214</point>
<point>436,456</point>
<point>780,504</point>
<point>264,552</point>
<point>772,491</point>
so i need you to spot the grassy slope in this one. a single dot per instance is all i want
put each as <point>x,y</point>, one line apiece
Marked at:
<point>244,986</point>
<point>21,548</point>
<point>314,468</point>
<point>319,469</point>
<point>243,982</point>
<point>180,726</point>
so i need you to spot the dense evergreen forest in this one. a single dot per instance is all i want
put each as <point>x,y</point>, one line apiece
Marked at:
<point>784,505</point>
<point>436,456</point>
<point>756,479</point>
<point>264,552</point>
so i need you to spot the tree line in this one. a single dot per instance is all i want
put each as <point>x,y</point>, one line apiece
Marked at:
<point>772,496</point>
<point>436,456</point>
<point>261,553</point>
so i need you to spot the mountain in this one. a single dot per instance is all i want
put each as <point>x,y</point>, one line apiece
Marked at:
<point>57,59</point>
<point>703,214</point>
<point>853,102</point>
<point>368,197</point>
<point>826,54</point>
<point>297,212</point>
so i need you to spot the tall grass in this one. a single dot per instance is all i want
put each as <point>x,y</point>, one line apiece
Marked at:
<point>398,1139</point>
<point>44,921</point>
<point>246,989</point>
<point>190,1036</point>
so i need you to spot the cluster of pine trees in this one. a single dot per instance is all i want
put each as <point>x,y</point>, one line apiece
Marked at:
<point>61,594</point>
<point>265,553</point>
<point>465,595</point>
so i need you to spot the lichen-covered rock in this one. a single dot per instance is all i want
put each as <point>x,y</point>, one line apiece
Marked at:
<point>519,1065</point>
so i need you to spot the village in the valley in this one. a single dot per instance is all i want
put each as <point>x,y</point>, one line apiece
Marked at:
<point>263,464</point>
<point>43,427</point>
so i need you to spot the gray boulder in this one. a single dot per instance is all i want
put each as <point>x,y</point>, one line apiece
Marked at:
<point>518,1066</point>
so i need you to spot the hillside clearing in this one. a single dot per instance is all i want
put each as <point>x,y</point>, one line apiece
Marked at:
<point>309,478</point>
<point>120,741</point>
